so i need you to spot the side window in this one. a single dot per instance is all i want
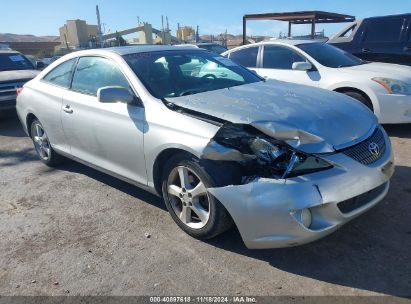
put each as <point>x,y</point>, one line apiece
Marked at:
<point>93,73</point>
<point>61,75</point>
<point>384,30</point>
<point>278,57</point>
<point>246,57</point>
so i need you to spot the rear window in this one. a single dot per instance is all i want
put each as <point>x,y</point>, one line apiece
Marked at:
<point>14,61</point>
<point>384,30</point>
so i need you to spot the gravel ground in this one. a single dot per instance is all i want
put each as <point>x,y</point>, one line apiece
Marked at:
<point>76,231</point>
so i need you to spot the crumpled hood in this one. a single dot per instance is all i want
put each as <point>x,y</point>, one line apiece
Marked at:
<point>17,75</point>
<point>314,120</point>
<point>380,69</point>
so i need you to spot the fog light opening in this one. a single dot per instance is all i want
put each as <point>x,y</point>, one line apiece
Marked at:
<point>304,217</point>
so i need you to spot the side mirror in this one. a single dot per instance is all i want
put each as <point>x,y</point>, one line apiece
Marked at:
<point>39,65</point>
<point>302,66</point>
<point>114,94</point>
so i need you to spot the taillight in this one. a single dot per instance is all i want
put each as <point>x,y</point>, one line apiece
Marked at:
<point>19,90</point>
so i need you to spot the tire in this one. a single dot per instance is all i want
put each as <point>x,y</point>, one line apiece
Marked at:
<point>41,143</point>
<point>361,98</point>
<point>218,219</point>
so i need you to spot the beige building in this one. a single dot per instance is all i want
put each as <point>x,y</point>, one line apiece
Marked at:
<point>185,33</point>
<point>77,34</point>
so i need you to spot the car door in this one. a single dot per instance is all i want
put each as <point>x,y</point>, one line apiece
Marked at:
<point>107,135</point>
<point>50,93</point>
<point>384,39</point>
<point>247,57</point>
<point>277,63</point>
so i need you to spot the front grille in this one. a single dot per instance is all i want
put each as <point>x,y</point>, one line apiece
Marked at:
<point>362,152</point>
<point>356,202</point>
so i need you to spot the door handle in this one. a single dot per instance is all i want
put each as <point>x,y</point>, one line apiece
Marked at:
<point>364,50</point>
<point>407,48</point>
<point>67,109</point>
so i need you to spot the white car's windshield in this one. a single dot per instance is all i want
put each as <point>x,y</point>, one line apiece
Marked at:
<point>329,55</point>
<point>177,73</point>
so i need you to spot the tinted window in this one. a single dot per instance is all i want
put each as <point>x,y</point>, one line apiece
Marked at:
<point>61,75</point>
<point>246,57</point>
<point>168,74</point>
<point>278,57</point>
<point>93,73</point>
<point>387,30</point>
<point>14,61</point>
<point>329,55</point>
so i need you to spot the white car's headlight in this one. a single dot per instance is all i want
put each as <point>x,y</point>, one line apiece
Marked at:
<point>394,86</point>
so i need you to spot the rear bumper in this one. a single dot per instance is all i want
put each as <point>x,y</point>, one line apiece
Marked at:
<point>266,211</point>
<point>394,108</point>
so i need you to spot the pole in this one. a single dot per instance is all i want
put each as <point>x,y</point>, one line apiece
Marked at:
<point>100,34</point>
<point>289,29</point>
<point>313,28</point>
<point>244,30</point>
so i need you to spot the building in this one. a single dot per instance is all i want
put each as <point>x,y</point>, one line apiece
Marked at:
<point>77,34</point>
<point>186,33</point>
<point>35,48</point>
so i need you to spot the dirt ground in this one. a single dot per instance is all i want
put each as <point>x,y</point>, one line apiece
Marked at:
<point>76,231</point>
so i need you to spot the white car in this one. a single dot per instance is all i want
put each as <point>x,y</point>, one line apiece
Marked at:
<point>382,87</point>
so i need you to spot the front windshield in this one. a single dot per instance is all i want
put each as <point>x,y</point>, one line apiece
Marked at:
<point>177,73</point>
<point>14,61</point>
<point>329,55</point>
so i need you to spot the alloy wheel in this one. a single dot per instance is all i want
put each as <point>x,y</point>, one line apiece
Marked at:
<point>188,197</point>
<point>41,141</point>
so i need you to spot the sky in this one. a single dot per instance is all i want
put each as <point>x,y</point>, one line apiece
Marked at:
<point>44,17</point>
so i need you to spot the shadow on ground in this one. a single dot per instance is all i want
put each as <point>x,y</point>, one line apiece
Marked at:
<point>10,126</point>
<point>400,130</point>
<point>113,182</point>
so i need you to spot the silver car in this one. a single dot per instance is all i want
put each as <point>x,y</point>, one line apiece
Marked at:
<point>287,164</point>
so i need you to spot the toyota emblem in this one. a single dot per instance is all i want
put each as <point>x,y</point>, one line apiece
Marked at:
<point>374,148</point>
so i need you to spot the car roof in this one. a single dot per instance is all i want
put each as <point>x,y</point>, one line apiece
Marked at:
<point>133,49</point>
<point>291,41</point>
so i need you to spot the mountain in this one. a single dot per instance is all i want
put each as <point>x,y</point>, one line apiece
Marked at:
<point>7,37</point>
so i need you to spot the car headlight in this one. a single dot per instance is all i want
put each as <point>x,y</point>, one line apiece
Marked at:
<point>273,155</point>
<point>394,86</point>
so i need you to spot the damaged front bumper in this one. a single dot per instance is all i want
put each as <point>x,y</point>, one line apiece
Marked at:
<point>266,211</point>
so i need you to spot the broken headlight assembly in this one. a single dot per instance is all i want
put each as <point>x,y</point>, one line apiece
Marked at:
<point>271,157</point>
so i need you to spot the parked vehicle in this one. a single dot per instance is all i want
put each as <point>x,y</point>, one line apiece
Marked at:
<point>209,46</point>
<point>15,70</point>
<point>286,163</point>
<point>383,39</point>
<point>384,88</point>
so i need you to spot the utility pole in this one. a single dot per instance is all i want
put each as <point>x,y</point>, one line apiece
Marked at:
<point>99,34</point>
<point>197,35</point>
<point>162,29</point>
